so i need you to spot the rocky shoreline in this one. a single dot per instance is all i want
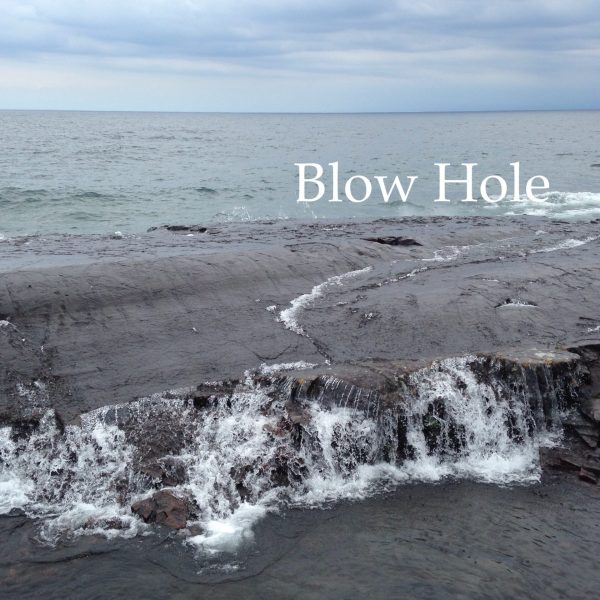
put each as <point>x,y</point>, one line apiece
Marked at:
<point>395,320</point>
<point>101,321</point>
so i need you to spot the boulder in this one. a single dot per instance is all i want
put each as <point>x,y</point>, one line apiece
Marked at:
<point>163,508</point>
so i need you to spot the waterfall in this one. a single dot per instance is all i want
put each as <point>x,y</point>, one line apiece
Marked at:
<point>280,439</point>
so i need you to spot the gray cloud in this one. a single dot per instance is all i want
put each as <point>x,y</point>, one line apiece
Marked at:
<point>418,45</point>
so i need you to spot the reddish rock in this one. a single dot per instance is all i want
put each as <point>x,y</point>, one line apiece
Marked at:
<point>163,508</point>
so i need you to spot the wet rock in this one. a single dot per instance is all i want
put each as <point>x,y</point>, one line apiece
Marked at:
<point>165,472</point>
<point>359,386</point>
<point>99,523</point>
<point>194,228</point>
<point>201,401</point>
<point>569,461</point>
<point>297,414</point>
<point>193,530</point>
<point>393,240</point>
<point>206,393</point>
<point>163,508</point>
<point>23,428</point>
<point>118,289</point>
<point>575,419</point>
<point>180,228</point>
<point>239,474</point>
<point>279,429</point>
<point>593,465</point>
<point>285,468</point>
<point>591,408</point>
<point>243,491</point>
<point>557,459</point>
<point>587,476</point>
<point>156,430</point>
<point>588,434</point>
<point>432,425</point>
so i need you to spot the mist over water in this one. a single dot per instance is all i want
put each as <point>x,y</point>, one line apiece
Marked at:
<point>88,172</point>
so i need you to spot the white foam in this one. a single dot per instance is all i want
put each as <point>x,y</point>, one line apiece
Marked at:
<point>414,272</point>
<point>89,518</point>
<point>289,316</point>
<point>447,254</point>
<point>51,472</point>
<point>517,304</point>
<point>226,534</point>
<point>291,366</point>
<point>242,459</point>
<point>237,213</point>
<point>321,489</point>
<point>490,453</point>
<point>555,204</point>
<point>408,275</point>
<point>14,492</point>
<point>567,244</point>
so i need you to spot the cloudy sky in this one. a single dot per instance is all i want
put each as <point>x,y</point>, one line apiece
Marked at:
<point>300,55</point>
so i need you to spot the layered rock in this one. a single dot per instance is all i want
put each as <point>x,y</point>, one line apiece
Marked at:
<point>102,321</point>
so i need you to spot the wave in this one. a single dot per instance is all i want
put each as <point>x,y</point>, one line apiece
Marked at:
<point>558,205</point>
<point>12,197</point>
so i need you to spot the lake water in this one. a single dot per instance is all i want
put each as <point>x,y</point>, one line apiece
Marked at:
<point>93,172</point>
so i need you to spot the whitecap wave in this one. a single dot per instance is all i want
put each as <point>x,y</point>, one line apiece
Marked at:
<point>555,204</point>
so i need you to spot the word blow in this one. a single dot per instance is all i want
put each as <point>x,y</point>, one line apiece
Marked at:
<point>359,188</point>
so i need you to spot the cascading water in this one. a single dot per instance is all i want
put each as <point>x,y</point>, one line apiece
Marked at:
<point>271,441</point>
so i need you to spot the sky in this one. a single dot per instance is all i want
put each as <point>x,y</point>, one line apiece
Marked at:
<point>300,55</point>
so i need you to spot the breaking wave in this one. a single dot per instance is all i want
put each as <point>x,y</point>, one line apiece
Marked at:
<point>558,205</point>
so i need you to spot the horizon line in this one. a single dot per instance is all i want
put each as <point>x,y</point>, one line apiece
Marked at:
<point>362,112</point>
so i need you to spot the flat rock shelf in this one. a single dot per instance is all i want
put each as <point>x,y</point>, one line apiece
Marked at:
<point>190,383</point>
